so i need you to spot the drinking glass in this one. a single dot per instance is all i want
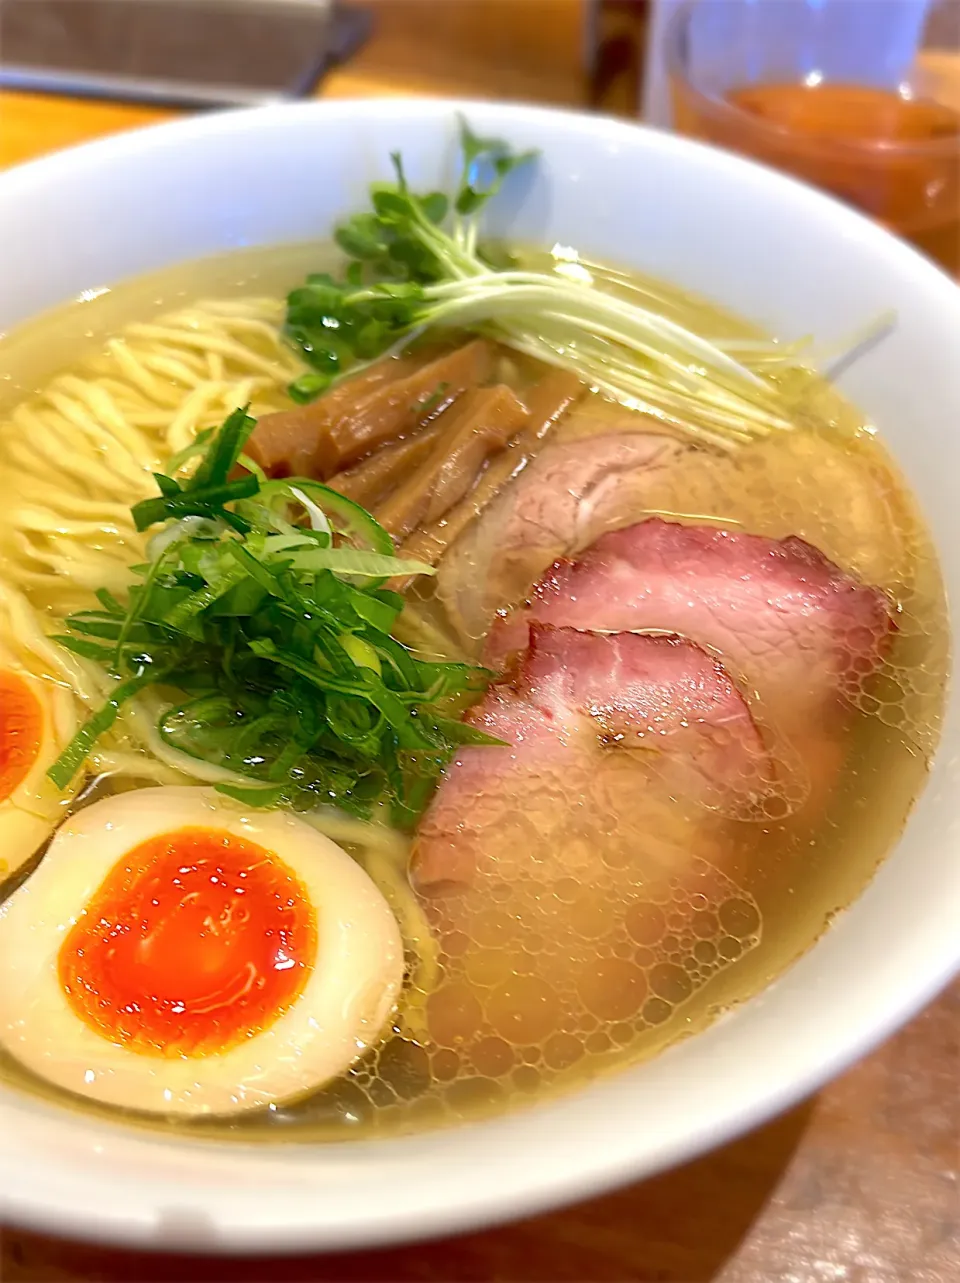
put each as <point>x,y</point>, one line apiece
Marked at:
<point>861,97</point>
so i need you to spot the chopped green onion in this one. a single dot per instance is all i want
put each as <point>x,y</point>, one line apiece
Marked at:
<point>262,609</point>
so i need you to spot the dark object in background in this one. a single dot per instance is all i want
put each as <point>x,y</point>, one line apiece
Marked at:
<point>616,49</point>
<point>190,52</point>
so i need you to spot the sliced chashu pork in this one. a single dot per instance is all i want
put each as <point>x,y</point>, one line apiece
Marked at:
<point>642,741</point>
<point>568,495</point>
<point>786,622</point>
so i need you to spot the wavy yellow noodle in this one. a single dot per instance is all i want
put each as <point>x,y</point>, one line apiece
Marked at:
<point>76,456</point>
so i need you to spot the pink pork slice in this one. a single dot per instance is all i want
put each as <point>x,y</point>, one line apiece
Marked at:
<point>787,623</point>
<point>780,615</point>
<point>567,496</point>
<point>609,736</point>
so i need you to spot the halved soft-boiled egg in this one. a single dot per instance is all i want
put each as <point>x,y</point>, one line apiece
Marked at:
<point>37,719</point>
<point>179,953</point>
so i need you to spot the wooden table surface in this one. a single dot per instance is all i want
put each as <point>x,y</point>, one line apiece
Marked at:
<point>861,1184</point>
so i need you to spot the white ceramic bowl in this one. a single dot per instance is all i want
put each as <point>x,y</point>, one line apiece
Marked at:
<point>763,245</point>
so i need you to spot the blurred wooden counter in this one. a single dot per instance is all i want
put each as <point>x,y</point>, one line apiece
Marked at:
<point>525,50</point>
<point>859,1185</point>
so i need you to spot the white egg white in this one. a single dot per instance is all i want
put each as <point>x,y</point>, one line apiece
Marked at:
<point>30,813</point>
<point>341,1010</point>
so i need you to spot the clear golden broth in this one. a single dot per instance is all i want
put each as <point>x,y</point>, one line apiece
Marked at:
<point>832,484</point>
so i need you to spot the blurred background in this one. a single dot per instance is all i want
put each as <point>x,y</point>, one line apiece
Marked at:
<point>861,97</point>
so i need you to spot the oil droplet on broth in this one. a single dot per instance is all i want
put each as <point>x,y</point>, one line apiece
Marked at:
<point>613,989</point>
<point>524,1009</point>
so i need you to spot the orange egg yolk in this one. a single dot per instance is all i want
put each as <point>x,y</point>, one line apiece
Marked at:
<point>195,940</point>
<point>21,731</point>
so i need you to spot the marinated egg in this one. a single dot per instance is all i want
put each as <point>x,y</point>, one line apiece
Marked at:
<point>178,953</point>
<point>36,722</point>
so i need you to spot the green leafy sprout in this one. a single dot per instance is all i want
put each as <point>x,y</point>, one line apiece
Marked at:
<point>414,264</point>
<point>263,621</point>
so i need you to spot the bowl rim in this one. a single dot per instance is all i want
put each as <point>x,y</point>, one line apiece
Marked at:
<point>504,1193</point>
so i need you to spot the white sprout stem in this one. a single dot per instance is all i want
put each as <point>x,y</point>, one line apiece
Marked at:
<point>722,403</point>
<point>709,398</point>
<point>535,290</point>
<point>687,382</point>
<point>634,382</point>
<point>483,309</point>
<point>474,312</point>
<point>628,378</point>
<point>636,397</point>
<point>836,358</point>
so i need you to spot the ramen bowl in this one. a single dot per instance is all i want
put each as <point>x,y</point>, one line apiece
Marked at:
<point>760,244</point>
